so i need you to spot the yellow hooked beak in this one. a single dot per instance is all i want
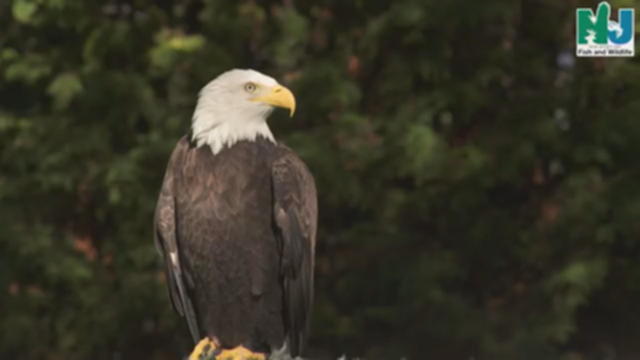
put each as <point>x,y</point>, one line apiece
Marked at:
<point>279,96</point>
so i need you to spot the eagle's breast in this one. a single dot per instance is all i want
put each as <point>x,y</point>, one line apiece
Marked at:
<point>227,241</point>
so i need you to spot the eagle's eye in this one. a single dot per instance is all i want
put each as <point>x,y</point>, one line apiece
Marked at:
<point>250,87</point>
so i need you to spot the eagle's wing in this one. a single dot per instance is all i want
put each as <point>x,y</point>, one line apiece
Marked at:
<point>295,212</point>
<point>167,244</point>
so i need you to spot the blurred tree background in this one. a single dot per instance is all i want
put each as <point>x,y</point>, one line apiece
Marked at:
<point>478,183</point>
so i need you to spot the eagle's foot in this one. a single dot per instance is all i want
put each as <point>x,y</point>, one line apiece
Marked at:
<point>206,349</point>
<point>240,353</point>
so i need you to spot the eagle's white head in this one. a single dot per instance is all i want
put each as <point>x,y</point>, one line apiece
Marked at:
<point>235,106</point>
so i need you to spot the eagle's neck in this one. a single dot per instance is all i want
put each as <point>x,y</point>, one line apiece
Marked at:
<point>221,125</point>
<point>226,134</point>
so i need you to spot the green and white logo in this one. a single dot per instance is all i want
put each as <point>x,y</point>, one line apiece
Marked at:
<point>598,35</point>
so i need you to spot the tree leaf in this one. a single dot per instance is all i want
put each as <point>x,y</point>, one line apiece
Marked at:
<point>23,10</point>
<point>64,88</point>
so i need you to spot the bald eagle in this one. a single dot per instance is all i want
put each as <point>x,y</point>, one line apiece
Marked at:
<point>235,224</point>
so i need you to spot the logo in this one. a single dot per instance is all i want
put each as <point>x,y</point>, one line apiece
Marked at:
<point>598,35</point>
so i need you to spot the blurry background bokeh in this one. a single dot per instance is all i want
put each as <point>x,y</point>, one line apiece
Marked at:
<point>479,185</point>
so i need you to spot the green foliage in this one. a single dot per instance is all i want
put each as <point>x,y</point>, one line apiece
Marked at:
<point>477,183</point>
<point>23,10</point>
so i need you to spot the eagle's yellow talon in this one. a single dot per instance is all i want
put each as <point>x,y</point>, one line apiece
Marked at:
<point>204,350</point>
<point>240,353</point>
